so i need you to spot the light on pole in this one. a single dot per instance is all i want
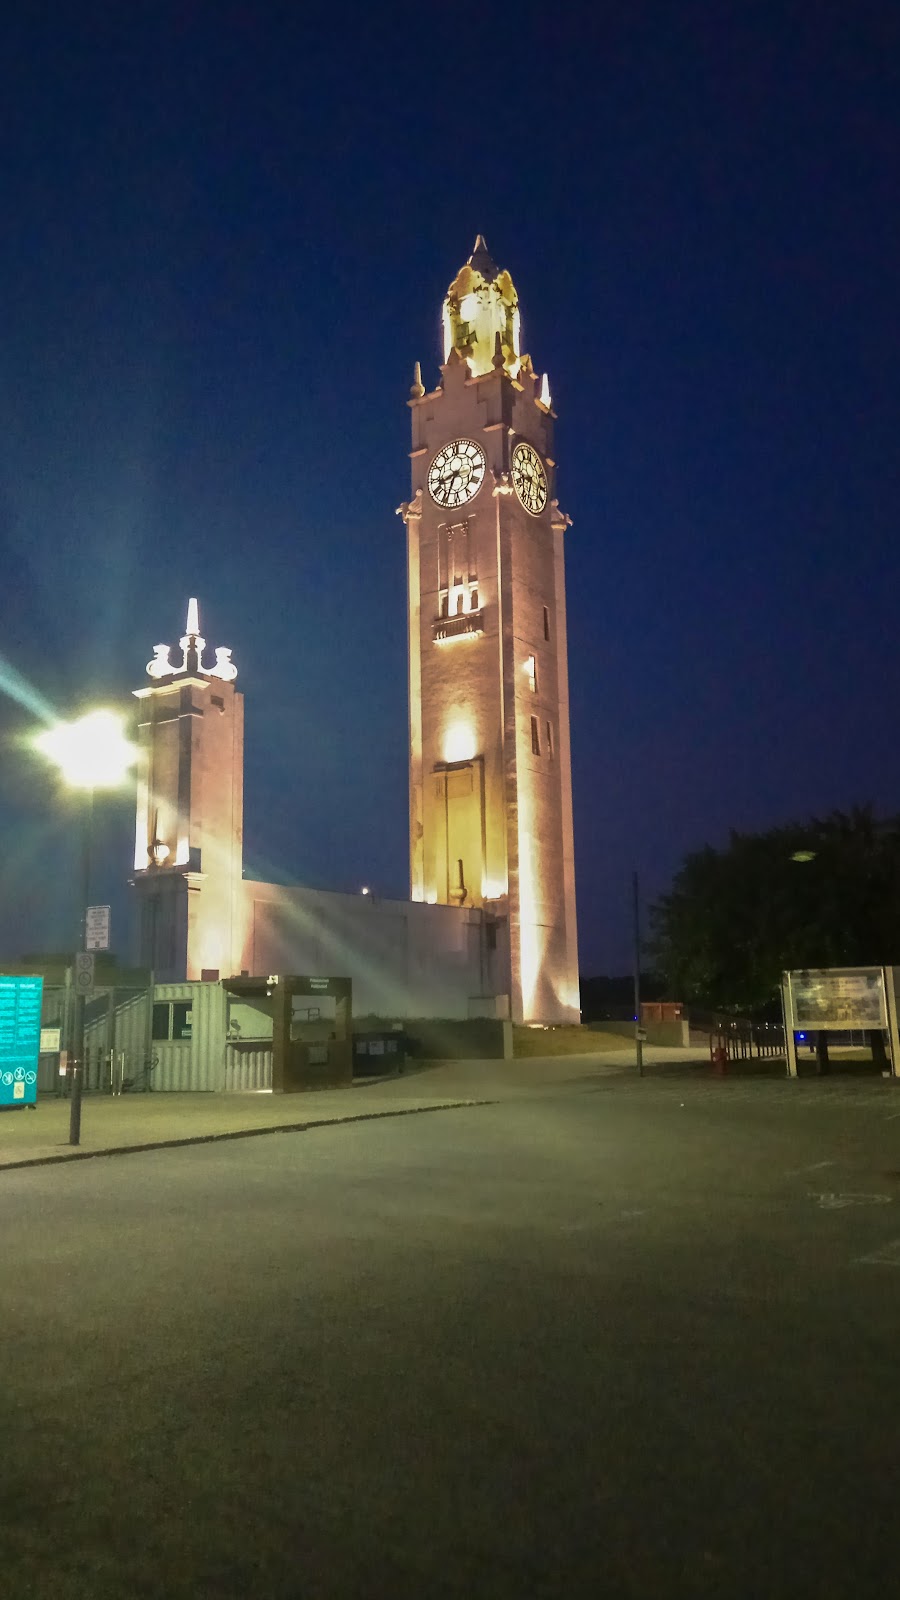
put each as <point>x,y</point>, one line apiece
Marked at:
<point>91,753</point>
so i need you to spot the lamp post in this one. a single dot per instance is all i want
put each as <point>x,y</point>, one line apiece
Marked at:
<point>636,930</point>
<point>90,753</point>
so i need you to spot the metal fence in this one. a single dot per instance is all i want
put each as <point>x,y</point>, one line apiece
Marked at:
<point>112,1072</point>
<point>743,1039</point>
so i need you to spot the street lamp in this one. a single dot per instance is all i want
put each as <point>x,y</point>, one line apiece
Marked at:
<point>91,753</point>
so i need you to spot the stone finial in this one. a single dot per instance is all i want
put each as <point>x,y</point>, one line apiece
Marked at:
<point>417,388</point>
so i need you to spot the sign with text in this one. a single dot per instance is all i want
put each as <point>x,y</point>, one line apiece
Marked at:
<point>20,1039</point>
<point>835,999</point>
<point>96,928</point>
<point>50,1038</point>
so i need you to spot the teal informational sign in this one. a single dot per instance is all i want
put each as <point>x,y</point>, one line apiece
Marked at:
<point>20,1039</point>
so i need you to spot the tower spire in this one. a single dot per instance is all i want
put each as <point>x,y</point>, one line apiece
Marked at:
<point>480,303</point>
<point>482,261</point>
<point>192,644</point>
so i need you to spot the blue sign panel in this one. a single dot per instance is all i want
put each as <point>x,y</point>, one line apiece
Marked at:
<point>20,1039</point>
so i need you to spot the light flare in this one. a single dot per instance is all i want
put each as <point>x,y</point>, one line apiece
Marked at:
<point>92,752</point>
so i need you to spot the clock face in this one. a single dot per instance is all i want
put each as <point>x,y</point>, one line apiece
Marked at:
<point>529,478</point>
<point>456,473</point>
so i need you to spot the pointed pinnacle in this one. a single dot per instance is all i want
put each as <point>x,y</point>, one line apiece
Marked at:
<point>482,261</point>
<point>417,388</point>
<point>193,619</point>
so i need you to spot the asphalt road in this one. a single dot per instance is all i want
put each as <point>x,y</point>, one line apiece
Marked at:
<point>625,1339</point>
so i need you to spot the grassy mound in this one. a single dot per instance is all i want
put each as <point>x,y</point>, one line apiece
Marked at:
<point>570,1039</point>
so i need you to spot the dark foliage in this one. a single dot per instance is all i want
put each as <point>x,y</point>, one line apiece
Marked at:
<point>735,919</point>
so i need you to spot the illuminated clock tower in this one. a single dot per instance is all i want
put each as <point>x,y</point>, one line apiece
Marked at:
<point>490,768</point>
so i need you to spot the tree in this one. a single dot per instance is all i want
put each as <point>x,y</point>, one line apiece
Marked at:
<point>825,893</point>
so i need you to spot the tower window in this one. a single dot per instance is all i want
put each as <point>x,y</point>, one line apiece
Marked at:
<point>550,740</point>
<point>531,673</point>
<point>546,622</point>
<point>456,554</point>
<point>535,737</point>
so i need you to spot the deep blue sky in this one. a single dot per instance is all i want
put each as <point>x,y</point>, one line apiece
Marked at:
<point>227,230</point>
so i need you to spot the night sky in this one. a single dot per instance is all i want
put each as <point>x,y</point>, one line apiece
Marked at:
<point>227,231</point>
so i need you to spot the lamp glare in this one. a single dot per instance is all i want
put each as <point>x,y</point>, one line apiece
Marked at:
<point>92,752</point>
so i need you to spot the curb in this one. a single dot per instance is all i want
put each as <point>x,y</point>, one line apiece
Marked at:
<point>236,1133</point>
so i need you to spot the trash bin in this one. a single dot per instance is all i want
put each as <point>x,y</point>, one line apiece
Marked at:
<point>375,1054</point>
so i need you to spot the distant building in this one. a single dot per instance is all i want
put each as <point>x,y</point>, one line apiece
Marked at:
<point>490,926</point>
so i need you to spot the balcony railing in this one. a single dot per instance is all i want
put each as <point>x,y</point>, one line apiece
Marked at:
<point>455,627</point>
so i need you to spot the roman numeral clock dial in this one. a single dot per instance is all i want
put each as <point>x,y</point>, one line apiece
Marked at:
<point>456,473</point>
<point>529,478</point>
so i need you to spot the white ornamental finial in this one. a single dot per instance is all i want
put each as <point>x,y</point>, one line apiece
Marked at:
<point>160,666</point>
<point>192,646</point>
<point>224,667</point>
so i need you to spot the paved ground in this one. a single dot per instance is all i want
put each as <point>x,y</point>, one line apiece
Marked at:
<point>603,1338</point>
<point>131,1120</point>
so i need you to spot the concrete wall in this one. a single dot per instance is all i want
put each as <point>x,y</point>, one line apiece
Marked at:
<point>404,958</point>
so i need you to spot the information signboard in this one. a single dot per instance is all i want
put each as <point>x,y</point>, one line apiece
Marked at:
<point>837,999</point>
<point>20,1039</point>
<point>96,928</point>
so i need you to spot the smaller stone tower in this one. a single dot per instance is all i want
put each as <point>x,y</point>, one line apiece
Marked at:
<point>188,856</point>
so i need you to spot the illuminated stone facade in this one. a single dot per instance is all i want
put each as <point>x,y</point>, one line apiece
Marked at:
<point>200,919</point>
<point>189,821</point>
<point>490,767</point>
<point>491,922</point>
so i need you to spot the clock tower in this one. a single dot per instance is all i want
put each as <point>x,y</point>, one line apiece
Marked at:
<point>490,769</point>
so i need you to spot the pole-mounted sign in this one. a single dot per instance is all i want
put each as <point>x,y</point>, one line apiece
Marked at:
<point>84,972</point>
<point>96,928</point>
